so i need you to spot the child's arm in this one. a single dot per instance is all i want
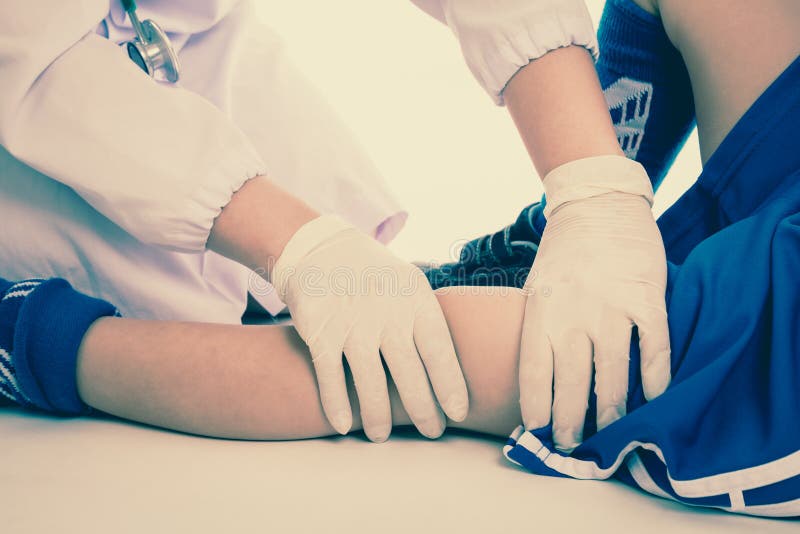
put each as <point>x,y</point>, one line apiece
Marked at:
<point>258,382</point>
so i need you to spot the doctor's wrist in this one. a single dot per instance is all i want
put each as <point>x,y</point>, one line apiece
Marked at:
<point>258,222</point>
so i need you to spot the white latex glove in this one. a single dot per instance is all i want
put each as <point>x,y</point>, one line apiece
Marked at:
<point>600,269</point>
<point>348,294</point>
<point>499,37</point>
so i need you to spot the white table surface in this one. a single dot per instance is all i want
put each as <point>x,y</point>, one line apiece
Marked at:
<point>92,475</point>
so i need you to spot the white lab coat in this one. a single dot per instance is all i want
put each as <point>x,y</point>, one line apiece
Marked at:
<point>113,181</point>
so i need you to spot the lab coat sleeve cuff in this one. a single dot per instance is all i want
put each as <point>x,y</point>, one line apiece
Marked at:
<point>190,223</point>
<point>500,38</point>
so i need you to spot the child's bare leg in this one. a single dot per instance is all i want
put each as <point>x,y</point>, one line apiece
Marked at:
<point>258,382</point>
<point>733,50</point>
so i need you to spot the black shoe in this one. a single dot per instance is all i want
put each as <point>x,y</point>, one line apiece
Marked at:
<point>500,259</point>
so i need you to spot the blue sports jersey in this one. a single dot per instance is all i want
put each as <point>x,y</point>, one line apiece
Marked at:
<point>725,434</point>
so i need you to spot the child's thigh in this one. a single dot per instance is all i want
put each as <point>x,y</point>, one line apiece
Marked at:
<point>733,50</point>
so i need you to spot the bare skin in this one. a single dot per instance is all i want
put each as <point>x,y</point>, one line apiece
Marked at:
<point>558,97</point>
<point>258,383</point>
<point>238,232</point>
<point>733,50</point>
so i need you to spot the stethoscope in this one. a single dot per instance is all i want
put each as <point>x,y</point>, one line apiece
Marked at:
<point>151,49</point>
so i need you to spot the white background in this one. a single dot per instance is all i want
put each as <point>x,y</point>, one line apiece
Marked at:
<point>454,160</point>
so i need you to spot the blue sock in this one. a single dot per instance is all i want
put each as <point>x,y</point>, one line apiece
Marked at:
<point>646,86</point>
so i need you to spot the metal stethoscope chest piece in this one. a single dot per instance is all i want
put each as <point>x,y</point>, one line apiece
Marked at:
<point>151,50</point>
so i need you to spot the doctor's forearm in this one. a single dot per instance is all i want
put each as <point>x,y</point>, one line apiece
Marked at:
<point>258,382</point>
<point>257,223</point>
<point>559,109</point>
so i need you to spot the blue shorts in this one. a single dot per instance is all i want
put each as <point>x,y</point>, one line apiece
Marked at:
<point>726,433</point>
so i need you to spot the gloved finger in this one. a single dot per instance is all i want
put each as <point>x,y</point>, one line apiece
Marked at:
<point>412,384</point>
<point>435,347</point>
<point>373,393</point>
<point>655,351</point>
<point>329,369</point>
<point>572,377</point>
<point>535,369</point>
<point>611,361</point>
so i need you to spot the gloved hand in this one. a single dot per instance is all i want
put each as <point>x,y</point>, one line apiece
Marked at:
<point>600,269</point>
<point>348,294</point>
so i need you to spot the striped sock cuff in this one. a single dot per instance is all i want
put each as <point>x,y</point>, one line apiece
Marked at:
<point>11,298</point>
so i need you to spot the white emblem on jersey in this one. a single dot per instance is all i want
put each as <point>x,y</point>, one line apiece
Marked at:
<point>629,104</point>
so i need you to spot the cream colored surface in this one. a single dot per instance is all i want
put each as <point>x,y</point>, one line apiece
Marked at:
<point>91,476</point>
